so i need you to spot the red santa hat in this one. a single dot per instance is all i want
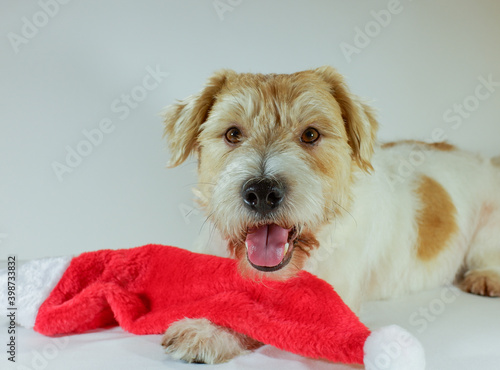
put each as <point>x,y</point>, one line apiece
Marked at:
<point>146,289</point>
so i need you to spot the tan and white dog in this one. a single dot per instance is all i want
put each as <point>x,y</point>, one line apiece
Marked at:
<point>291,176</point>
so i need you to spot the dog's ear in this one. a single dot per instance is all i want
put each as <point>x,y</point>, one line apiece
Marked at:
<point>184,118</point>
<point>360,122</point>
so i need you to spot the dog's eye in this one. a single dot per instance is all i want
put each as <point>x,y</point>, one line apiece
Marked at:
<point>310,136</point>
<point>233,135</point>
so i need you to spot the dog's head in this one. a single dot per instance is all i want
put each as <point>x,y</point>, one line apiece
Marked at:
<point>276,157</point>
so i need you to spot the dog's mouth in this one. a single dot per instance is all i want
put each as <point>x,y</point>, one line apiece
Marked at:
<point>270,247</point>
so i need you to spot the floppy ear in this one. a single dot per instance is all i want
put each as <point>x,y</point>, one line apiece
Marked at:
<point>183,119</point>
<point>360,122</point>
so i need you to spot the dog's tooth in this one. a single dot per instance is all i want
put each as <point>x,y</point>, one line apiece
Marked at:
<point>246,245</point>
<point>286,247</point>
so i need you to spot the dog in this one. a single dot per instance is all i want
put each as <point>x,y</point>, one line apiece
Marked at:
<point>292,177</point>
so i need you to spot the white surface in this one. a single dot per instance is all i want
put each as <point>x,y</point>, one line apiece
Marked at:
<point>71,75</point>
<point>461,332</point>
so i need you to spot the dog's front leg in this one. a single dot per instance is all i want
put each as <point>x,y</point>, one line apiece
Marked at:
<point>201,341</point>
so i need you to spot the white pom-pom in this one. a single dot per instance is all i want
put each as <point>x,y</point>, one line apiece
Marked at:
<point>393,348</point>
<point>33,283</point>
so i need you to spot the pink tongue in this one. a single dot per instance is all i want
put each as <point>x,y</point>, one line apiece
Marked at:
<point>266,245</point>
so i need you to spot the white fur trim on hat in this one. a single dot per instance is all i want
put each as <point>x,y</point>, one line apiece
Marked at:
<point>393,348</point>
<point>33,282</point>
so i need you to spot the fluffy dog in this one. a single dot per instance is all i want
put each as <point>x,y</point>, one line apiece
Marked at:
<point>291,176</point>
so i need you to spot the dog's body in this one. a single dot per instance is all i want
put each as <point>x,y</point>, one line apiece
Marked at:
<point>416,229</point>
<point>410,226</point>
<point>291,177</point>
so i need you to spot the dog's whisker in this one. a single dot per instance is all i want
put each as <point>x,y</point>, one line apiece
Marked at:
<point>205,221</point>
<point>262,281</point>
<point>190,211</point>
<point>342,209</point>
<point>211,234</point>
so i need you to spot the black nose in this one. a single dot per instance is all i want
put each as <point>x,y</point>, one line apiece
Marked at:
<point>263,195</point>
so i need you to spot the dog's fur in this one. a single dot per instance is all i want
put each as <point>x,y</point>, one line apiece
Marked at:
<point>376,221</point>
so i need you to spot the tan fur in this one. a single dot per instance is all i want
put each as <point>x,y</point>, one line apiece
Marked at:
<point>182,120</point>
<point>495,161</point>
<point>436,219</point>
<point>359,117</point>
<point>485,283</point>
<point>442,145</point>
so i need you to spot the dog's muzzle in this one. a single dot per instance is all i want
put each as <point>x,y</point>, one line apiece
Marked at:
<point>269,246</point>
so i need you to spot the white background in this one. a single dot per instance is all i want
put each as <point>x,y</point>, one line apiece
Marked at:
<point>68,74</point>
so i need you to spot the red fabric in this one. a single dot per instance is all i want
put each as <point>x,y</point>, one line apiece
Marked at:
<point>145,289</point>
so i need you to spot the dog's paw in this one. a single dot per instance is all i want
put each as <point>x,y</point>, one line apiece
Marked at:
<point>481,282</point>
<point>200,341</point>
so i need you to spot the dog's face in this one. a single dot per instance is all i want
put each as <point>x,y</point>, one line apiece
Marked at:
<point>276,157</point>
